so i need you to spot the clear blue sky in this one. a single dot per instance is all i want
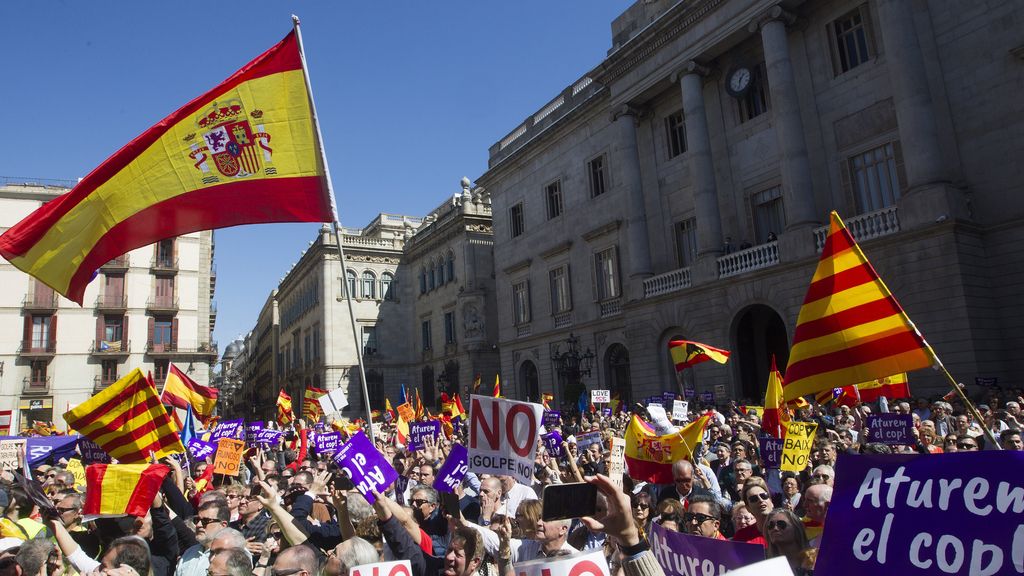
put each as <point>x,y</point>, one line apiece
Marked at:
<point>410,94</point>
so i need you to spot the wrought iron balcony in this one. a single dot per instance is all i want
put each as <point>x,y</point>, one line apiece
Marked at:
<point>162,304</point>
<point>163,265</point>
<point>36,302</point>
<point>112,302</point>
<point>30,349</point>
<point>119,264</point>
<point>35,386</point>
<point>111,348</point>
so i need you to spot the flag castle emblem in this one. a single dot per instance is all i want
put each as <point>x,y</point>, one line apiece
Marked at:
<point>237,148</point>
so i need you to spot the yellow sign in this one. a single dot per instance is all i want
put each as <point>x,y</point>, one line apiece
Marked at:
<point>76,468</point>
<point>796,450</point>
<point>406,412</point>
<point>229,456</point>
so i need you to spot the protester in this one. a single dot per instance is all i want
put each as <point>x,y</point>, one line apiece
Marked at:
<point>784,537</point>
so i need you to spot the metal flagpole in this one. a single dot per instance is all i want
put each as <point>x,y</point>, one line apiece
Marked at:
<point>337,233</point>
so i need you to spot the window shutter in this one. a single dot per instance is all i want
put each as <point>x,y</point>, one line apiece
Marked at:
<point>593,278</point>
<point>529,302</point>
<point>124,334</point>
<point>27,339</point>
<point>100,326</point>
<point>174,334</point>
<point>53,332</point>
<point>568,286</point>
<point>618,271</point>
<point>150,328</point>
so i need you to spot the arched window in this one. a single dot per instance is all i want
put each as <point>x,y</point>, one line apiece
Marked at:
<point>440,272</point>
<point>423,280</point>
<point>386,286</point>
<point>451,266</point>
<point>432,281</point>
<point>350,282</point>
<point>369,285</point>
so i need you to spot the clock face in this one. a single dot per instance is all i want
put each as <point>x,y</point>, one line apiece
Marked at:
<point>739,81</point>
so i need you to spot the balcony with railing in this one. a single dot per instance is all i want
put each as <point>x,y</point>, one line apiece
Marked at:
<point>34,349</point>
<point>562,319</point>
<point>165,304</point>
<point>40,301</point>
<point>111,347</point>
<point>206,349</point>
<point>611,307</point>
<point>119,264</point>
<point>523,330</point>
<point>35,385</point>
<point>865,226</point>
<point>100,382</point>
<point>112,302</point>
<point>163,265</point>
<point>748,260</point>
<point>667,283</point>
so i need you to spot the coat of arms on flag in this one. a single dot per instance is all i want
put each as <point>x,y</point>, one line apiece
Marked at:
<point>236,148</point>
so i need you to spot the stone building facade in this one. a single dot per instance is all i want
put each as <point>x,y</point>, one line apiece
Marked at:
<point>680,187</point>
<point>146,309</point>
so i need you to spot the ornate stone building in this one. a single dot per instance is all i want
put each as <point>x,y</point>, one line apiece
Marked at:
<point>679,188</point>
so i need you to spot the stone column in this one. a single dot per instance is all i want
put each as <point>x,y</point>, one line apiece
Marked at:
<point>639,253</point>
<point>797,187</point>
<point>702,168</point>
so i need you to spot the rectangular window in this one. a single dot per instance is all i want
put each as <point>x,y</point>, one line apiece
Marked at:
<point>449,327</point>
<point>108,371</point>
<point>597,176</point>
<point>316,340</point>
<point>306,348</point>
<point>162,332</point>
<point>851,40</point>
<point>675,133</point>
<point>369,340</point>
<point>561,295</point>
<point>769,216</point>
<point>553,194</point>
<point>113,328</point>
<point>38,373</point>
<point>686,242</point>
<point>165,253</point>
<point>160,368</point>
<point>755,102</point>
<point>606,267</point>
<point>876,178</point>
<point>515,218</point>
<point>164,291</point>
<point>521,302</point>
<point>40,332</point>
<point>425,334</point>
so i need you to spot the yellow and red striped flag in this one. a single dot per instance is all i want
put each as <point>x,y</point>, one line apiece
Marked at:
<point>180,391</point>
<point>419,405</point>
<point>546,399</point>
<point>127,420</point>
<point>686,353</point>
<point>497,386</point>
<point>476,384</point>
<point>311,409</point>
<point>892,387</point>
<point>245,152</point>
<point>776,411</point>
<point>284,408</point>
<point>119,489</point>
<point>850,328</point>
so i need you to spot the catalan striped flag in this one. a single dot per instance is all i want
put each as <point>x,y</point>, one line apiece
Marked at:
<point>419,405</point>
<point>686,353</point>
<point>181,391</point>
<point>850,329</point>
<point>311,409</point>
<point>284,408</point>
<point>891,387</point>
<point>119,489</point>
<point>776,412</point>
<point>245,152</point>
<point>127,420</point>
<point>497,386</point>
<point>649,457</point>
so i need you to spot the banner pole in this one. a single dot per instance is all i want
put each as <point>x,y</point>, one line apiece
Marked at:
<point>337,234</point>
<point>970,405</point>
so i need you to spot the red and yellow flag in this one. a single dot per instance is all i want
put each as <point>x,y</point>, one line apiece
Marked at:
<point>649,457</point>
<point>243,153</point>
<point>891,387</point>
<point>776,411</point>
<point>119,489</point>
<point>546,399</point>
<point>180,391</point>
<point>686,353</point>
<point>476,384</point>
<point>850,328</point>
<point>311,409</point>
<point>284,408</point>
<point>419,405</point>
<point>127,420</point>
<point>497,386</point>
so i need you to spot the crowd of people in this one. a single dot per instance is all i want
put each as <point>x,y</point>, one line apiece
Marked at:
<point>293,512</point>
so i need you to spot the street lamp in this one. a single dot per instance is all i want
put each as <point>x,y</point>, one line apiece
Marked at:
<point>572,367</point>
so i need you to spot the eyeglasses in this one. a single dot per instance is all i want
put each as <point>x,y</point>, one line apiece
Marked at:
<point>642,506</point>
<point>206,521</point>
<point>63,510</point>
<point>691,517</point>
<point>760,496</point>
<point>230,496</point>
<point>777,525</point>
<point>420,502</point>
<point>966,445</point>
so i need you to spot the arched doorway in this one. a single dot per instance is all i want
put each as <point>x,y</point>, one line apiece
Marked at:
<point>760,334</point>
<point>427,386</point>
<point>529,381</point>
<point>616,366</point>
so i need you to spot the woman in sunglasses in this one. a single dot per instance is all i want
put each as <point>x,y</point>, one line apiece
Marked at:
<point>759,503</point>
<point>785,536</point>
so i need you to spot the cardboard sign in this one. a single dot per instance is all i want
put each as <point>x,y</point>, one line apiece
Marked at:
<point>229,456</point>
<point>925,514</point>
<point>453,470</point>
<point>617,465</point>
<point>686,555</point>
<point>367,467</point>
<point>600,396</point>
<point>796,449</point>
<point>771,451</point>
<point>552,418</point>
<point>680,410</point>
<point>396,568</point>
<point>229,429</point>
<point>11,452</point>
<point>200,449</point>
<point>91,452</point>
<point>553,443</point>
<point>587,439</point>
<point>75,467</point>
<point>251,430</point>
<point>406,412</point>
<point>327,443</point>
<point>660,421</point>
<point>891,429</point>
<point>334,401</point>
<point>420,430</point>
<point>588,564</point>
<point>503,436</point>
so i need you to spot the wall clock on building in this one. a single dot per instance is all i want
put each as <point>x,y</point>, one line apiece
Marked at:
<point>738,81</point>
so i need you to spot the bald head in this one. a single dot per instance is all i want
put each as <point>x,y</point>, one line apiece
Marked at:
<point>295,559</point>
<point>682,477</point>
<point>816,501</point>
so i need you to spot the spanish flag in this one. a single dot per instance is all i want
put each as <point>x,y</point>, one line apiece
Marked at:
<point>127,420</point>
<point>120,489</point>
<point>181,391</point>
<point>245,152</point>
<point>388,408</point>
<point>284,408</point>
<point>891,387</point>
<point>311,409</point>
<point>850,329</point>
<point>686,353</point>
<point>776,411</point>
<point>460,410</point>
<point>649,457</point>
<point>476,384</point>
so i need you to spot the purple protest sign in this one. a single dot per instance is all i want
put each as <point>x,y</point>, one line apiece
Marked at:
<point>420,430</point>
<point>551,418</point>
<point>251,430</point>
<point>707,397</point>
<point>367,467</point>
<point>891,429</point>
<point>229,429</point>
<point>200,449</point>
<point>453,470</point>
<point>327,443</point>
<point>553,442</point>
<point>269,437</point>
<point>606,412</point>
<point>689,393</point>
<point>668,398</point>
<point>925,514</point>
<point>771,450</point>
<point>680,554</point>
<point>91,452</point>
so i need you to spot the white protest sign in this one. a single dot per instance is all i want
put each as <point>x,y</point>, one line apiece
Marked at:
<point>617,466</point>
<point>588,564</point>
<point>398,568</point>
<point>660,421</point>
<point>503,437</point>
<point>777,566</point>
<point>600,396</point>
<point>10,454</point>
<point>334,401</point>
<point>680,410</point>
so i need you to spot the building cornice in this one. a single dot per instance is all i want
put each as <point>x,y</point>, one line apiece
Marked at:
<point>603,229</point>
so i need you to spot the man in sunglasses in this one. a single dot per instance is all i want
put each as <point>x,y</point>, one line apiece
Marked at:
<point>703,518</point>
